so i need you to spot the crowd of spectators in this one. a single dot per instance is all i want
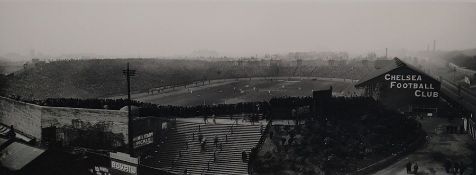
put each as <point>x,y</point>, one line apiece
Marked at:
<point>98,78</point>
<point>111,104</point>
<point>277,104</point>
<point>290,102</point>
<point>204,110</point>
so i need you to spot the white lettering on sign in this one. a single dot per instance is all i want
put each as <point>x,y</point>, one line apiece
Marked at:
<point>123,167</point>
<point>398,85</point>
<point>398,82</point>
<point>143,140</point>
<point>402,77</point>
<point>426,94</point>
<point>99,170</point>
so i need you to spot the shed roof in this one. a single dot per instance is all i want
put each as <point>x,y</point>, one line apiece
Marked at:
<point>390,66</point>
<point>16,155</point>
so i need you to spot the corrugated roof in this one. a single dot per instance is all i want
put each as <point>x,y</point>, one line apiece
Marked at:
<point>16,155</point>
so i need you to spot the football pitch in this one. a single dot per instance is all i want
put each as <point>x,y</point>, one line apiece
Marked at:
<point>244,91</point>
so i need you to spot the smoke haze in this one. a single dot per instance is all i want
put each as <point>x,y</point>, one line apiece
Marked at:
<point>148,28</point>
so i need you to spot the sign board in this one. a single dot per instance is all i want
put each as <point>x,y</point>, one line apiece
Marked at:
<point>420,88</point>
<point>100,170</point>
<point>98,164</point>
<point>123,164</point>
<point>123,168</point>
<point>143,139</point>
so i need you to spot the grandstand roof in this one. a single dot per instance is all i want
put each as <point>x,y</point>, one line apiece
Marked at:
<point>16,155</point>
<point>392,65</point>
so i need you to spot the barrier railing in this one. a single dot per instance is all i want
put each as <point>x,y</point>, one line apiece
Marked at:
<point>257,148</point>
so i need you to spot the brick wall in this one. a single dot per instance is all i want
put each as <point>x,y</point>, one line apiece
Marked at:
<point>23,116</point>
<point>30,118</point>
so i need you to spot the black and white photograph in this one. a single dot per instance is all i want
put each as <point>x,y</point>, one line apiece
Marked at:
<point>237,87</point>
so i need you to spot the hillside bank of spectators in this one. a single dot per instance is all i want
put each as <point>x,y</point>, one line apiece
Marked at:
<point>100,78</point>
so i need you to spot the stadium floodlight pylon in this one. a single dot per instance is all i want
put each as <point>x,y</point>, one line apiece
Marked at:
<point>129,73</point>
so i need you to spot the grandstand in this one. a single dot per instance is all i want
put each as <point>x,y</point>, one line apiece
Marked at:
<point>182,151</point>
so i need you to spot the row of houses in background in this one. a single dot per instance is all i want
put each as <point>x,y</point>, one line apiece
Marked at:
<point>465,76</point>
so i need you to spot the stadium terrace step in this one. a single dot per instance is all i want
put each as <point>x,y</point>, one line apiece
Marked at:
<point>182,150</point>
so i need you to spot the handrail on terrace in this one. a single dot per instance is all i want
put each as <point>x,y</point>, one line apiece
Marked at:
<point>257,148</point>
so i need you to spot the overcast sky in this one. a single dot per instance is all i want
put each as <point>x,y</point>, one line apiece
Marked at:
<point>159,28</point>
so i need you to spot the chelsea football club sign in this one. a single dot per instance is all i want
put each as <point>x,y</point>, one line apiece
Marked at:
<point>421,89</point>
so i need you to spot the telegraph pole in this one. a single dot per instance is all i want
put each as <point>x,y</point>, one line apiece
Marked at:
<point>129,73</point>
